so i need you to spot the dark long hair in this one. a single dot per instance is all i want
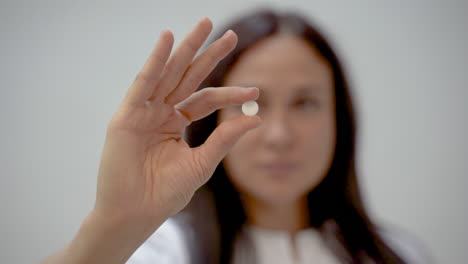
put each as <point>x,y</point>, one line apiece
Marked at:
<point>336,198</point>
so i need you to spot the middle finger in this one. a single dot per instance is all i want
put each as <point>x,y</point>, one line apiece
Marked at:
<point>182,57</point>
<point>201,66</point>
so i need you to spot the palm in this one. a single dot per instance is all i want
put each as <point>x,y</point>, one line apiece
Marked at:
<point>154,149</point>
<point>146,164</point>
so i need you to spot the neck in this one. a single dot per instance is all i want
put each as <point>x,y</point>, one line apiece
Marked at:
<point>290,216</point>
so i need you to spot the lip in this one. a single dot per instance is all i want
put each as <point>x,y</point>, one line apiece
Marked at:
<point>278,167</point>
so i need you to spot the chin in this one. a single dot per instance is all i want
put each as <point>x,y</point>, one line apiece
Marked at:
<point>280,194</point>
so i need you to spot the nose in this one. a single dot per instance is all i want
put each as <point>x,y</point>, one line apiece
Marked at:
<point>277,131</point>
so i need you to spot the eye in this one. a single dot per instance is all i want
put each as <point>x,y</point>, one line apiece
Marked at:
<point>307,103</point>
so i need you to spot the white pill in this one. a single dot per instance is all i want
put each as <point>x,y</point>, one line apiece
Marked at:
<point>250,108</point>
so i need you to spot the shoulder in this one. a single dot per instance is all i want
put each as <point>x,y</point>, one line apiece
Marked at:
<point>166,245</point>
<point>407,246</point>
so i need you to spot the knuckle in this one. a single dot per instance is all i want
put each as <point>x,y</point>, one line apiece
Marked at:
<point>212,56</point>
<point>192,46</point>
<point>213,59</point>
<point>170,67</point>
<point>144,78</point>
<point>202,164</point>
<point>211,97</point>
<point>160,59</point>
<point>195,77</point>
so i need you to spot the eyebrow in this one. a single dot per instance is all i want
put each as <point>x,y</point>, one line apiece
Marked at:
<point>307,89</point>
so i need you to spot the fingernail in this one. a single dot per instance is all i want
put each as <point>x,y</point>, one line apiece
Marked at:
<point>249,89</point>
<point>228,32</point>
<point>205,20</point>
<point>165,31</point>
<point>254,88</point>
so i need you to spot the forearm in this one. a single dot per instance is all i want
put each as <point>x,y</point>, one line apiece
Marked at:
<point>103,241</point>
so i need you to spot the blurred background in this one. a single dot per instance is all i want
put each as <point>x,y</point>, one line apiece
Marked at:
<point>66,65</point>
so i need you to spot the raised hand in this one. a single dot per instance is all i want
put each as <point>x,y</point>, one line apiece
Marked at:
<point>147,169</point>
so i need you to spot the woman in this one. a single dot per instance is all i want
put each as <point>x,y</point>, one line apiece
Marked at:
<point>293,175</point>
<point>307,139</point>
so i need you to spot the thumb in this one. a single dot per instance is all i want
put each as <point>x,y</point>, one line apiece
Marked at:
<point>224,137</point>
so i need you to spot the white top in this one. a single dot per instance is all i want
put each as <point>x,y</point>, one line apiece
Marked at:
<point>165,246</point>
<point>272,246</point>
<point>168,245</point>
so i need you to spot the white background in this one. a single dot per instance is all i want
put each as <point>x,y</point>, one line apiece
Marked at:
<point>65,67</point>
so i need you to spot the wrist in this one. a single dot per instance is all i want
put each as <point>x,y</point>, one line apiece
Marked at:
<point>107,239</point>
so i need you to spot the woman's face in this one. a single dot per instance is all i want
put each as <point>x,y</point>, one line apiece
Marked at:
<point>291,152</point>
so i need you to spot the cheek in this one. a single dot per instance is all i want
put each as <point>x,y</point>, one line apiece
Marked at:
<point>236,161</point>
<point>240,153</point>
<point>319,145</point>
<point>325,136</point>
<point>246,144</point>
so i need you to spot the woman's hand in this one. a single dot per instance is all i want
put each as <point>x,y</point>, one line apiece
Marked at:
<point>148,172</point>
<point>147,169</point>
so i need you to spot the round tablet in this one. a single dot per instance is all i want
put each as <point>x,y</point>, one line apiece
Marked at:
<point>250,108</point>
